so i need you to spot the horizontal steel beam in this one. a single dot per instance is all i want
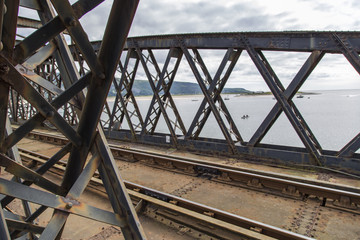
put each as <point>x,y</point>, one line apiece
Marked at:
<point>299,41</point>
<point>270,154</point>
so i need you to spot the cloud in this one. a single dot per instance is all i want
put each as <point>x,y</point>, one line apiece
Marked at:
<point>185,16</point>
<point>163,17</point>
<point>323,7</point>
<point>190,16</point>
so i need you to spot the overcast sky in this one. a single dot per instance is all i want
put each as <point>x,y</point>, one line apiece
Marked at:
<point>183,16</point>
<point>188,16</point>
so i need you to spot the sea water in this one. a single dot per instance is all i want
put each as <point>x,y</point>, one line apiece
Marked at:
<point>333,117</point>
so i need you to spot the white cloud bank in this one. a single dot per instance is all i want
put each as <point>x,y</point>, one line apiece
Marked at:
<point>188,16</point>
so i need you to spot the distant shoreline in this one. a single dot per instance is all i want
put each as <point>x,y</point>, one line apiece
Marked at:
<point>149,97</point>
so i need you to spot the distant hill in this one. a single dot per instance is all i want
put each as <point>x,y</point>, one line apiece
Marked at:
<point>142,88</point>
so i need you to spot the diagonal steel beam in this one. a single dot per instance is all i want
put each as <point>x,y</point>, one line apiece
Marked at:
<point>166,79</point>
<point>289,93</point>
<point>37,119</point>
<point>22,227</point>
<point>50,30</point>
<point>42,169</point>
<point>349,149</point>
<point>209,99</point>
<point>353,57</point>
<point>40,56</point>
<point>124,97</point>
<point>116,189</point>
<point>59,218</point>
<point>69,18</point>
<point>109,55</point>
<point>114,39</point>
<point>22,86</point>
<point>20,171</point>
<point>216,86</point>
<point>158,104</point>
<point>281,98</point>
<point>162,88</point>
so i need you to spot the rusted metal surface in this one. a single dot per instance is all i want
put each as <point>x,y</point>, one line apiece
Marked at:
<point>161,73</point>
<point>306,215</point>
<point>260,180</point>
<point>222,224</point>
<point>35,86</point>
<point>142,49</point>
<point>41,83</point>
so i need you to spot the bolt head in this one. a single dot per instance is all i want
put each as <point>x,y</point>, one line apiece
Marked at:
<point>4,69</point>
<point>71,22</point>
<point>68,205</point>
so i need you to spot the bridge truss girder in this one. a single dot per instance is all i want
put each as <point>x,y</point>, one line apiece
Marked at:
<point>40,84</point>
<point>185,49</point>
<point>187,46</point>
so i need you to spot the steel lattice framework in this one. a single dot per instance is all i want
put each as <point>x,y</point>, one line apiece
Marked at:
<point>125,120</point>
<point>40,83</point>
<point>44,81</point>
<point>186,47</point>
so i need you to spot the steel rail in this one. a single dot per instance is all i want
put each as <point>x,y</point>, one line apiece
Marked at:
<point>235,224</point>
<point>286,185</point>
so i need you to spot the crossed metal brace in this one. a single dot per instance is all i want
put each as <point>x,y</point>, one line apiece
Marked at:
<point>17,65</point>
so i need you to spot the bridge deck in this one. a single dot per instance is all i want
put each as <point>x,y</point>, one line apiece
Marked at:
<point>301,215</point>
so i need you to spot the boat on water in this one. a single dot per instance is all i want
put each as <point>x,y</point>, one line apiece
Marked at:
<point>300,96</point>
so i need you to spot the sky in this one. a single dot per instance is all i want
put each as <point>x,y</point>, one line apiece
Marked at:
<point>190,16</point>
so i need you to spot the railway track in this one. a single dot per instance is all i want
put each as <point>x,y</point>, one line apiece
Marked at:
<point>311,203</point>
<point>205,222</point>
<point>284,185</point>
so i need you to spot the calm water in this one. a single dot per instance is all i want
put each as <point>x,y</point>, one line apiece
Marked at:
<point>333,117</point>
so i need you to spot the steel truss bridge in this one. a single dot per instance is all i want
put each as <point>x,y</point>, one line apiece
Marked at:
<point>46,81</point>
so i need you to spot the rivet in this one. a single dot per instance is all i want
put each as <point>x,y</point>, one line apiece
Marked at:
<point>68,205</point>
<point>70,22</point>
<point>4,69</point>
